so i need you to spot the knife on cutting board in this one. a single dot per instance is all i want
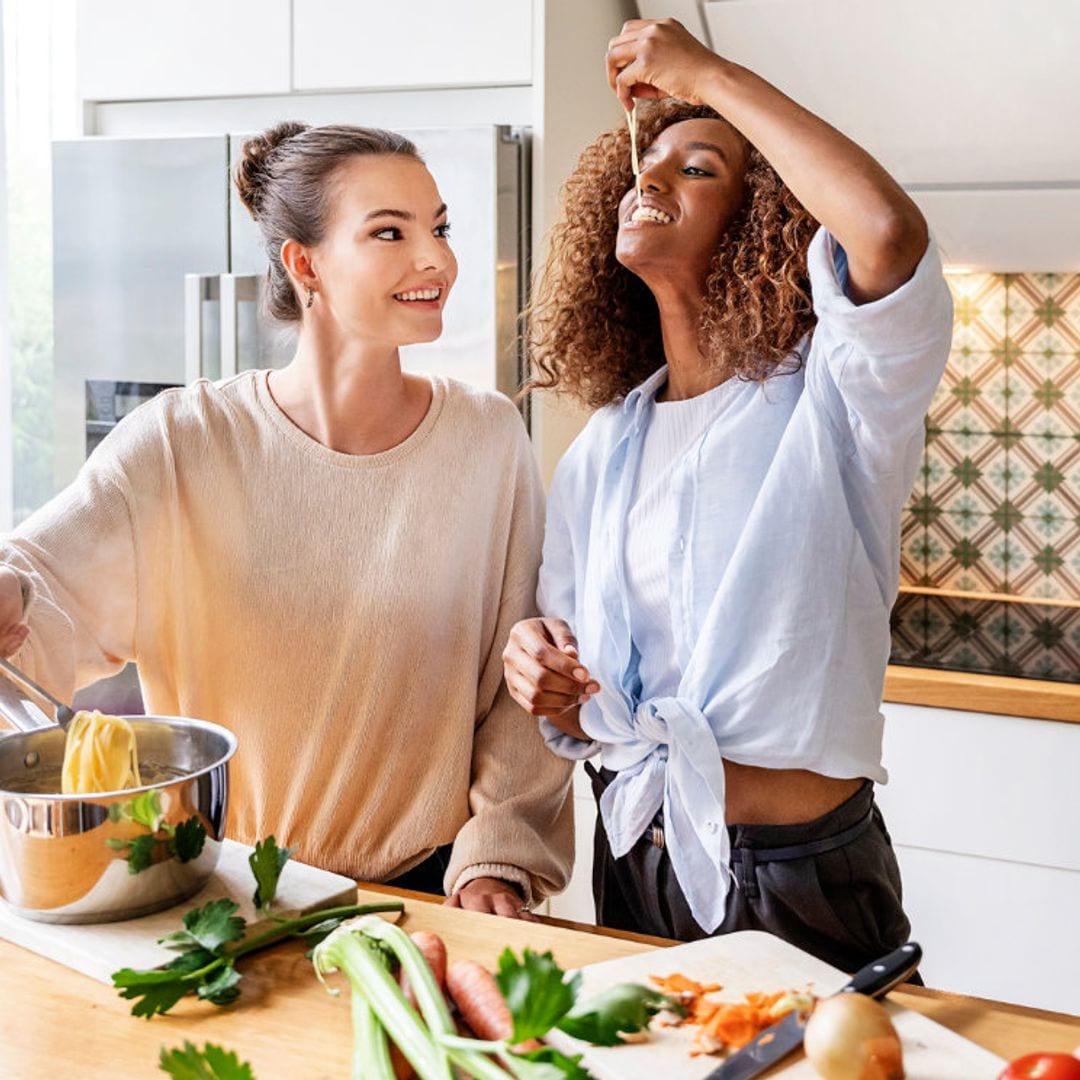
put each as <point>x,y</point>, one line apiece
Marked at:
<point>875,980</point>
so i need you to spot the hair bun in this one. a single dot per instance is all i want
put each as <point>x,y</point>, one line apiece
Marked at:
<point>252,170</point>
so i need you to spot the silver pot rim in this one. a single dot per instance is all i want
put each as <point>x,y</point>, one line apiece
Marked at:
<point>232,743</point>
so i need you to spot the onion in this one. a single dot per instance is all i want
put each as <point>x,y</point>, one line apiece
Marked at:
<point>850,1037</point>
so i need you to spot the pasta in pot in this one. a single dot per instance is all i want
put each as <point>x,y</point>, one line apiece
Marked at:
<point>100,755</point>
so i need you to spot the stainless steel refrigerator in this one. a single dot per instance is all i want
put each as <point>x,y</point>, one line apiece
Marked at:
<point>158,271</point>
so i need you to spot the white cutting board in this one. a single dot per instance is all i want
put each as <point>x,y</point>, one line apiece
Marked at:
<point>741,962</point>
<point>100,949</point>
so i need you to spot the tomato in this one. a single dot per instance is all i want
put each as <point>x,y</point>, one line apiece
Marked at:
<point>1043,1067</point>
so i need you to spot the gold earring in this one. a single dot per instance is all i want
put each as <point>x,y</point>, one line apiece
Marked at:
<point>310,297</point>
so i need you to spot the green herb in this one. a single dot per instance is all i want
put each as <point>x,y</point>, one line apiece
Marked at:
<point>210,1063</point>
<point>623,1008</point>
<point>210,943</point>
<point>209,927</point>
<point>537,991</point>
<point>266,862</point>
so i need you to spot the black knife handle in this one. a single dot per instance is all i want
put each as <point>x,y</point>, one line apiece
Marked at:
<point>877,979</point>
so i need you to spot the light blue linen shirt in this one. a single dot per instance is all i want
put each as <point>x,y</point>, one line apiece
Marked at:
<point>783,567</point>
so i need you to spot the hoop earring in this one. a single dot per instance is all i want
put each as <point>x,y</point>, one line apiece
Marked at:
<point>310,297</point>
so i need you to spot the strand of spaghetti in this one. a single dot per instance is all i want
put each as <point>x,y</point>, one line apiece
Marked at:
<point>631,120</point>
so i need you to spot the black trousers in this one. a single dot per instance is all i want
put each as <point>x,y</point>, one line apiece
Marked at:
<point>830,886</point>
<point>426,876</point>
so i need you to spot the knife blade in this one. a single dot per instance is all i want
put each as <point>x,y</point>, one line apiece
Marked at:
<point>776,1042</point>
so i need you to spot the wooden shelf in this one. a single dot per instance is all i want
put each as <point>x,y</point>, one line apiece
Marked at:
<point>1002,598</point>
<point>1038,699</point>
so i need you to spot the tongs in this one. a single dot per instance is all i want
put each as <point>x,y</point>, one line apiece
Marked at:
<point>22,718</point>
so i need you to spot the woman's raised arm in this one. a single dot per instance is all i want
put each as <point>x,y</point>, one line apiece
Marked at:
<point>882,231</point>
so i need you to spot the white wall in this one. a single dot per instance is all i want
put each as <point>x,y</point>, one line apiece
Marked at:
<point>571,106</point>
<point>984,813</point>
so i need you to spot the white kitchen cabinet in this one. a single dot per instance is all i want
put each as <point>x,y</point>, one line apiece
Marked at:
<point>369,44</point>
<point>1005,230</point>
<point>131,50</point>
<point>950,92</point>
<point>997,787</point>
<point>994,929</point>
<point>984,812</point>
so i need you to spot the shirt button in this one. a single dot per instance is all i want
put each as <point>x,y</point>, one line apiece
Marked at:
<point>712,826</point>
<point>682,544</point>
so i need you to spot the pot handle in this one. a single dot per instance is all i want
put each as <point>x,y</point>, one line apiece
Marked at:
<point>21,700</point>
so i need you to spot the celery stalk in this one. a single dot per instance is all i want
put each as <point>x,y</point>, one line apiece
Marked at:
<point>371,1051</point>
<point>478,1067</point>
<point>470,1055</point>
<point>358,957</point>
<point>429,995</point>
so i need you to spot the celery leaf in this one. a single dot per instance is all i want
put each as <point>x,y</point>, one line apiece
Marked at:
<point>537,992</point>
<point>626,1007</point>
<point>210,1063</point>
<point>266,862</point>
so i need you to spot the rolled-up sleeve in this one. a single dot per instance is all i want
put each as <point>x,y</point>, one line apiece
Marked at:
<point>885,358</point>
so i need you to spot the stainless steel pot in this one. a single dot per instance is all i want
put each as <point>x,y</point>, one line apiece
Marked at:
<point>115,855</point>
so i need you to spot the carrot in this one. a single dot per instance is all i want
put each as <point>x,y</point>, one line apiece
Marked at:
<point>402,1069</point>
<point>482,1007</point>
<point>680,984</point>
<point>434,952</point>
<point>476,994</point>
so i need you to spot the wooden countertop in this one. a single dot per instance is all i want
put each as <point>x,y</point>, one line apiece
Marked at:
<point>1038,699</point>
<point>55,1022</point>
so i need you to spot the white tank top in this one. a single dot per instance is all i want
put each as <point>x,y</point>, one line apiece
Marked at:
<point>674,428</point>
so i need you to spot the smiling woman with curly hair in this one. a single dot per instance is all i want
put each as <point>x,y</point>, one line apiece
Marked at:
<point>722,542</point>
<point>594,327</point>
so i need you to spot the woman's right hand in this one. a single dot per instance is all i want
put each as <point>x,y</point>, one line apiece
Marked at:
<point>543,672</point>
<point>13,630</point>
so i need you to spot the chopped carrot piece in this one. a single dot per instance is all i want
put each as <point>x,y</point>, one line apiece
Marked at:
<point>724,1025</point>
<point>680,984</point>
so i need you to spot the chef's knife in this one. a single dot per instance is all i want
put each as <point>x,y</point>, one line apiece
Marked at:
<point>874,980</point>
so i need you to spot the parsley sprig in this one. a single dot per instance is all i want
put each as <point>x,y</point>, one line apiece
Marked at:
<point>212,940</point>
<point>210,1063</point>
<point>266,862</point>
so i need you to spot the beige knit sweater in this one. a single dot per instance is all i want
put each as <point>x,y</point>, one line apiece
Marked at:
<point>343,615</point>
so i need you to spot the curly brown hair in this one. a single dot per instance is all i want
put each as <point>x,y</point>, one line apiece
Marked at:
<point>593,327</point>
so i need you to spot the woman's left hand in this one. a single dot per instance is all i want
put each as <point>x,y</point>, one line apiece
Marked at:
<point>492,896</point>
<point>657,58</point>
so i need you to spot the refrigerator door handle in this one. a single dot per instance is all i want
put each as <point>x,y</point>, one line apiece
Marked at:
<point>234,288</point>
<point>197,288</point>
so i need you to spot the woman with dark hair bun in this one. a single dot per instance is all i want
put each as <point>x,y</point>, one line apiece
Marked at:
<point>722,544</point>
<point>326,558</point>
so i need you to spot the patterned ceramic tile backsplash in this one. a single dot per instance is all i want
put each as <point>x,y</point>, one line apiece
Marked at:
<point>996,508</point>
